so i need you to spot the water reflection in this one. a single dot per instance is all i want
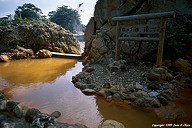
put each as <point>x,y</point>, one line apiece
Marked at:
<point>34,71</point>
<point>46,84</point>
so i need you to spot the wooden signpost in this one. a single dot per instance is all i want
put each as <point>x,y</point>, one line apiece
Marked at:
<point>124,32</point>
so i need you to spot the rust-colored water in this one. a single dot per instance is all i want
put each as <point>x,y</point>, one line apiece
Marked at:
<point>185,102</point>
<point>46,84</point>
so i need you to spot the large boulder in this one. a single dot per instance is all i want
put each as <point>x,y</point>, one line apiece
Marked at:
<point>37,36</point>
<point>183,66</point>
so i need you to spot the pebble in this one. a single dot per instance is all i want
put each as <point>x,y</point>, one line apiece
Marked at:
<point>153,94</point>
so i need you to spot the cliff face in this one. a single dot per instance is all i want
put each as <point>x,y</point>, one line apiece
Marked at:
<point>38,35</point>
<point>100,34</point>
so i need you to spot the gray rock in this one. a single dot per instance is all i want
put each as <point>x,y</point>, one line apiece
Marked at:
<point>56,114</point>
<point>80,85</point>
<point>3,105</point>
<point>88,91</point>
<point>116,96</point>
<point>147,102</point>
<point>7,124</point>
<point>89,69</point>
<point>140,93</point>
<point>111,124</point>
<point>2,96</point>
<point>138,86</point>
<point>88,80</point>
<point>11,105</point>
<point>43,120</point>
<point>20,110</point>
<point>152,76</point>
<point>31,113</point>
<point>154,85</point>
<point>153,94</point>
<point>90,29</point>
<point>90,86</point>
<point>107,85</point>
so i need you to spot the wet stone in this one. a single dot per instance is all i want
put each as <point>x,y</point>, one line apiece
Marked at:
<point>56,114</point>
<point>31,113</point>
<point>11,105</point>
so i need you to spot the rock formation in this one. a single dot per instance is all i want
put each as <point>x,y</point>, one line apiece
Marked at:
<point>100,33</point>
<point>37,35</point>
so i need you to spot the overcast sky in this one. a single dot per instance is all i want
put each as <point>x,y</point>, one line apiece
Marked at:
<point>9,6</point>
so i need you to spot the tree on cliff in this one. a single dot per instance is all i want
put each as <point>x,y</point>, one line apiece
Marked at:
<point>66,17</point>
<point>28,11</point>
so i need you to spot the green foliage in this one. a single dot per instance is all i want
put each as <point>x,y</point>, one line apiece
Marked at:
<point>28,10</point>
<point>65,17</point>
<point>177,43</point>
<point>16,20</point>
<point>3,22</point>
<point>83,27</point>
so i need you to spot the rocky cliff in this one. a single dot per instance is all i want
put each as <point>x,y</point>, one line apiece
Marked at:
<point>100,34</point>
<point>37,35</point>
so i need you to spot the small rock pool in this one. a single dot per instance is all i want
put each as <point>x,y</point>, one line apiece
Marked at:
<point>46,84</point>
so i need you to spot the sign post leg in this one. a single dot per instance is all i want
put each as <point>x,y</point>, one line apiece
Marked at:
<point>117,56</point>
<point>161,42</point>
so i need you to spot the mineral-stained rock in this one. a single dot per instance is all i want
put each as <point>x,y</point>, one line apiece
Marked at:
<point>44,53</point>
<point>111,124</point>
<point>4,58</point>
<point>109,98</point>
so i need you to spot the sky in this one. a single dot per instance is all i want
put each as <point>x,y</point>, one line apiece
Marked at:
<point>9,6</point>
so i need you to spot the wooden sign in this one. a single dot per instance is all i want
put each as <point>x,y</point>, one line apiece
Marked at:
<point>140,29</point>
<point>124,33</point>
